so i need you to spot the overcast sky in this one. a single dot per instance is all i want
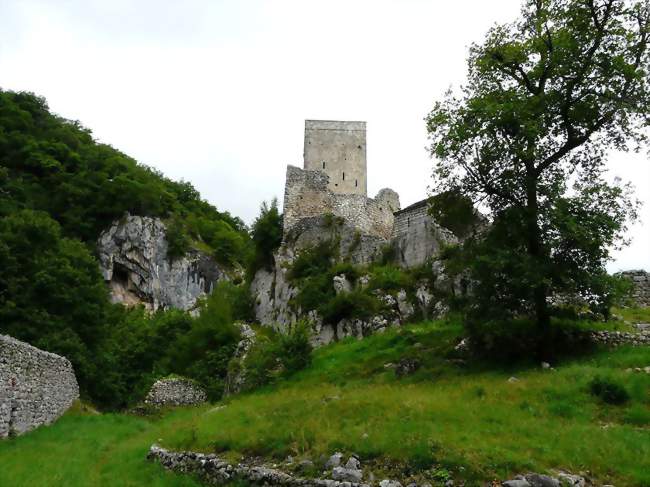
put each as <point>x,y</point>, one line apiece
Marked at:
<point>216,92</point>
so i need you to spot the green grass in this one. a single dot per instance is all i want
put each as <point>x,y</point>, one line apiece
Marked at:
<point>634,315</point>
<point>468,420</point>
<point>88,450</point>
<point>445,415</point>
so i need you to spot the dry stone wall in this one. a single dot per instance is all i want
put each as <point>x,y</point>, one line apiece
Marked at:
<point>176,391</point>
<point>641,286</point>
<point>36,387</point>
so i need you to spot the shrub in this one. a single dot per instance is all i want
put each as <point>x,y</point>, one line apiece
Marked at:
<point>389,278</point>
<point>608,391</point>
<point>266,234</point>
<point>358,304</point>
<point>295,349</point>
<point>504,340</point>
<point>178,242</point>
<point>314,261</point>
<point>279,355</point>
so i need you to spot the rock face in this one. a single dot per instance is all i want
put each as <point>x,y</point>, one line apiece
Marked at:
<point>272,292</point>
<point>36,387</point>
<point>236,378</point>
<point>175,391</point>
<point>641,286</point>
<point>134,263</point>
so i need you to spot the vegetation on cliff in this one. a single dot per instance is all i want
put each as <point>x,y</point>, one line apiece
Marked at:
<point>59,188</point>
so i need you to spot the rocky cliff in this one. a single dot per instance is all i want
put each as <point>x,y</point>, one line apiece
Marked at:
<point>134,263</point>
<point>272,290</point>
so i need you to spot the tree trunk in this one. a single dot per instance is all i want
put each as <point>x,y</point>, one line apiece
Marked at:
<point>535,250</point>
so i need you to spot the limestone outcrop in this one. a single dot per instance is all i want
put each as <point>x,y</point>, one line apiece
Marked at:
<point>36,387</point>
<point>175,391</point>
<point>236,378</point>
<point>134,263</point>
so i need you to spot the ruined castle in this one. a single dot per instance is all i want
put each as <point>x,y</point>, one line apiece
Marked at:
<point>333,181</point>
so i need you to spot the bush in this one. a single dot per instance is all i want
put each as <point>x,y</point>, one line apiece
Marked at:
<point>267,237</point>
<point>178,242</point>
<point>389,278</point>
<point>279,355</point>
<point>358,304</point>
<point>295,349</point>
<point>505,340</point>
<point>608,391</point>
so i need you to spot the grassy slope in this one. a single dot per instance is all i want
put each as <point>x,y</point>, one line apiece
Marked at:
<point>88,450</point>
<point>446,415</point>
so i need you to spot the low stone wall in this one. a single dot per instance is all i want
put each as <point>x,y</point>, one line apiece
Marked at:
<point>215,471</point>
<point>615,338</point>
<point>176,391</point>
<point>641,290</point>
<point>36,387</point>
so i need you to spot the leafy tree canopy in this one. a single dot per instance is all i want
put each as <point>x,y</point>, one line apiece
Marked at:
<point>51,164</point>
<point>546,98</point>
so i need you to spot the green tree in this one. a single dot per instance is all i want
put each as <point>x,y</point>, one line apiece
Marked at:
<point>547,97</point>
<point>266,236</point>
<point>52,294</point>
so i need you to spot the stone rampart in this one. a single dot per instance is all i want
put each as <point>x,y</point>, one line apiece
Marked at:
<point>641,286</point>
<point>416,236</point>
<point>307,195</point>
<point>36,387</point>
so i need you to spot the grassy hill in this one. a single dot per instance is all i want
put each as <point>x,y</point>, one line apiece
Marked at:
<point>448,419</point>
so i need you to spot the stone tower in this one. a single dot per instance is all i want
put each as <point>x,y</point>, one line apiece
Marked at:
<point>339,150</point>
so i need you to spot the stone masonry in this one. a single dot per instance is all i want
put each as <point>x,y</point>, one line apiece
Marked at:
<point>307,195</point>
<point>416,235</point>
<point>338,149</point>
<point>641,286</point>
<point>36,387</point>
<point>175,391</point>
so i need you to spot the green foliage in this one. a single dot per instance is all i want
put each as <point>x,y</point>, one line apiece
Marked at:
<point>267,236</point>
<point>508,341</point>
<point>467,423</point>
<point>279,355</point>
<point>528,137</point>
<point>54,165</point>
<point>454,211</point>
<point>357,304</point>
<point>178,242</point>
<point>313,261</point>
<point>294,348</point>
<point>59,189</point>
<point>52,294</point>
<point>608,391</point>
<point>389,278</point>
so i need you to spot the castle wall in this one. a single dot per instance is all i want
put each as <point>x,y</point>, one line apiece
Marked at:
<point>641,286</point>
<point>339,150</point>
<point>416,236</point>
<point>307,195</point>
<point>36,387</point>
